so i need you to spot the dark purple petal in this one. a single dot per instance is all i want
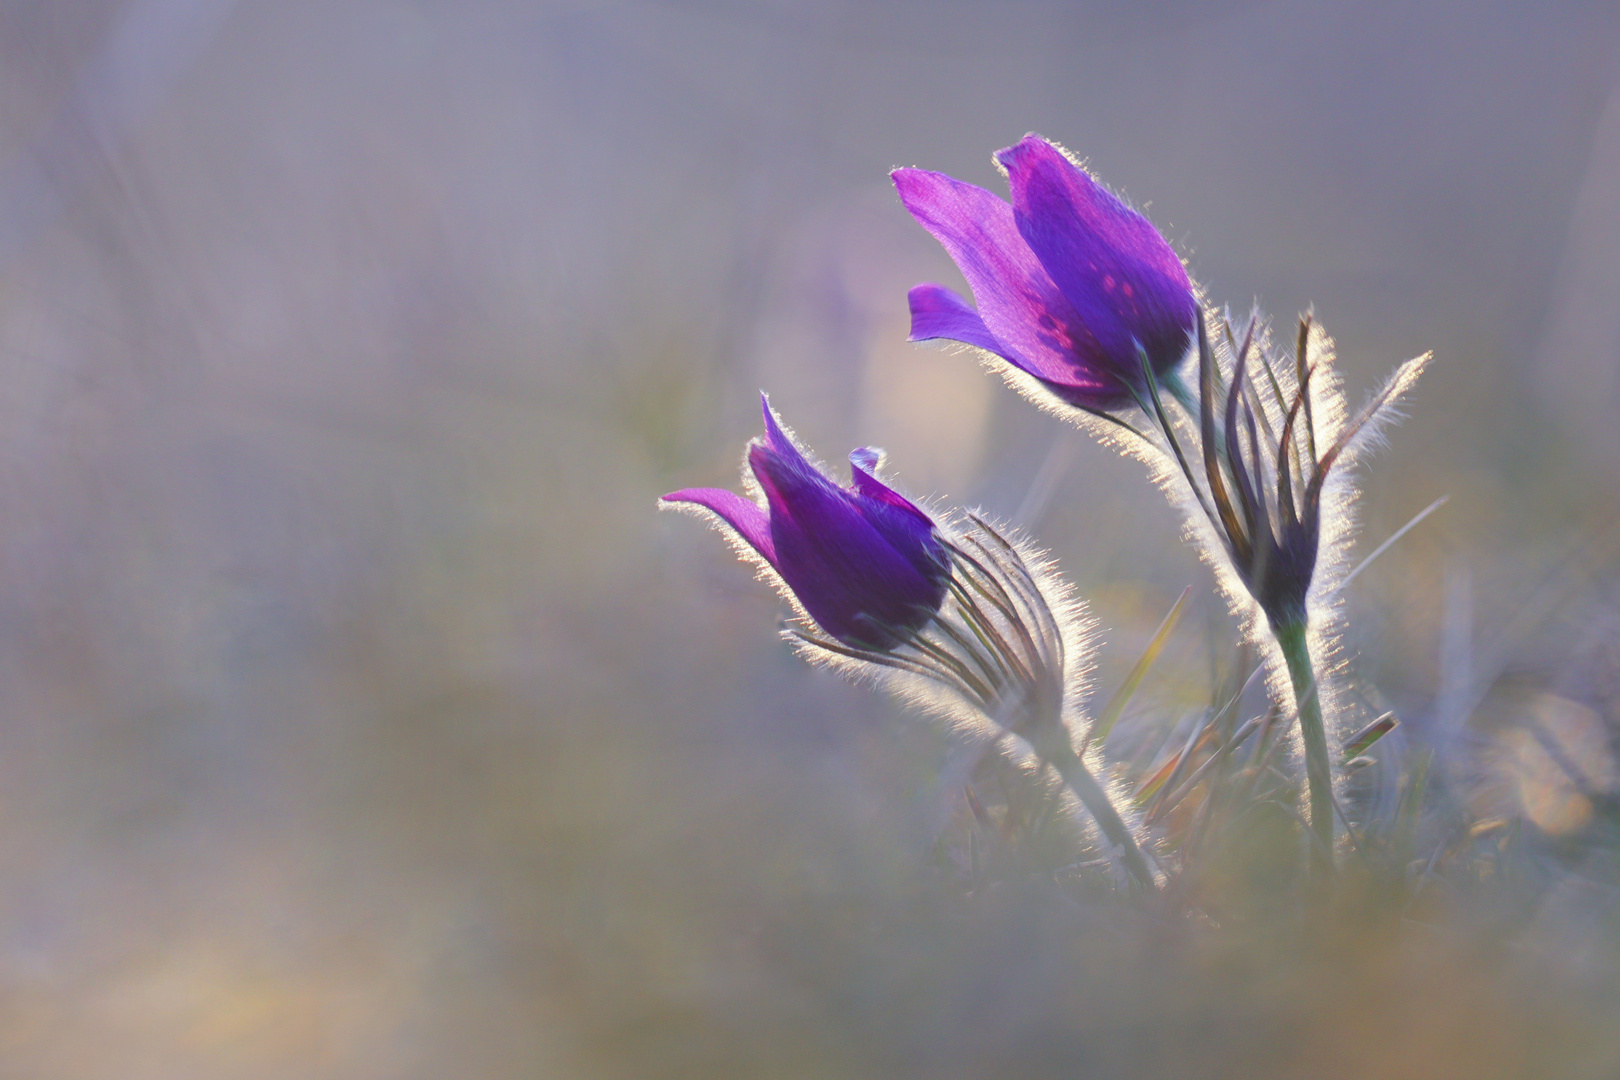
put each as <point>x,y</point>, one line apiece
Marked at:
<point>745,516</point>
<point>897,518</point>
<point>1121,276</point>
<point>778,440</point>
<point>863,562</point>
<point>907,529</point>
<point>1034,325</point>
<point>842,567</point>
<point>863,464</point>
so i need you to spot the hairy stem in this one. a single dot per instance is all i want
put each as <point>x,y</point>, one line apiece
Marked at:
<point>1318,773</point>
<point>1058,753</point>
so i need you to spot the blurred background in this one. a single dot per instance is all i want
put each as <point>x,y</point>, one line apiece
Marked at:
<point>360,716</point>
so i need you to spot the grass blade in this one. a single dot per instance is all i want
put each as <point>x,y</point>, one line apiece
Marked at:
<point>1396,535</point>
<point>1116,705</point>
<point>1358,743</point>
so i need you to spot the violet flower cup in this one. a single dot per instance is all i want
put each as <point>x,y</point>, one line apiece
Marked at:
<point>1071,283</point>
<point>863,562</point>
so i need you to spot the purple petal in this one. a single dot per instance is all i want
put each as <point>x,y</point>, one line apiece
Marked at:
<point>842,566</point>
<point>869,458</point>
<point>1114,267</point>
<point>937,312</point>
<point>900,521</point>
<point>745,516</point>
<point>1023,311</point>
<point>863,472</point>
<point>775,437</point>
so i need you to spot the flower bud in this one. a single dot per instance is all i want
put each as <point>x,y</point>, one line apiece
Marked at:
<point>863,562</point>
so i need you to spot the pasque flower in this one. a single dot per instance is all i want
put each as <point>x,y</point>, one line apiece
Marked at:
<point>1073,287</point>
<point>1081,294</point>
<point>939,604</point>
<point>862,561</point>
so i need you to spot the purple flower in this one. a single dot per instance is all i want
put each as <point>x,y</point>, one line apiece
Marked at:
<point>1069,281</point>
<point>862,561</point>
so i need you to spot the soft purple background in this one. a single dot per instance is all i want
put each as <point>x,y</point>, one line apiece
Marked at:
<point>359,715</point>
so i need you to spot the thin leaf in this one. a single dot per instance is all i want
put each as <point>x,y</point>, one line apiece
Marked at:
<point>1116,705</point>
<point>1358,743</point>
<point>1170,431</point>
<point>1210,732</point>
<point>1349,829</point>
<point>891,661</point>
<point>1249,727</point>
<point>1285,491</point>
<point>1300,374</point>
<point>1200,736</point>
<point>1160,776</point>
<point>1396,535</point>
<point>1234,457</point>
<point>1237,542</point>
<point>1398,384</point>
<point>1406,818</point>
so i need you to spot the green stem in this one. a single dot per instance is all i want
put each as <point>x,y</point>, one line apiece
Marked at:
<point>1318,773</point>
<point>1058,753</point>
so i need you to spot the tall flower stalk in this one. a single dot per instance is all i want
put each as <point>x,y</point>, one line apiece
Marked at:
<point>946,610</point>
<point>1085,308</point>
<point>1271,430</point>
